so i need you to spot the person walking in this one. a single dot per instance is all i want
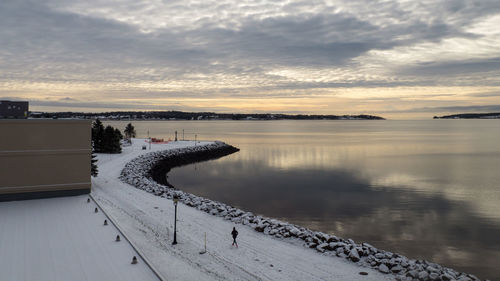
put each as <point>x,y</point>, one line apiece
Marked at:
<point>234,233</point>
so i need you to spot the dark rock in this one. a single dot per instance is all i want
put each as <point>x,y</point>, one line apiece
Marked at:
<point>353,255</point>
<point>341,255</point>
<point>332,238</point>
<point>321,247</point>
<point>423,275</point>
<point>360,251</point>
<point>383,268</point>
<point>260,228</point>
<point>339,250</point>
<point>447,277</point>
<point>434,276</point>
<point>412,273</point>
<point>432,269</point>
<point>396,269</point>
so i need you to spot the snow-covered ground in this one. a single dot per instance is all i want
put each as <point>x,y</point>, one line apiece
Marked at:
<point>60,239</point>
<point>148,221</point>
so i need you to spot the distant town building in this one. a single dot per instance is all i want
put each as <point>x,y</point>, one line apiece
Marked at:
<point>44,158</point>
<point>13,109</point>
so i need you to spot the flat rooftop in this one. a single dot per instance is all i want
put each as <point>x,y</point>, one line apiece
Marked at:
<point>64,239</point>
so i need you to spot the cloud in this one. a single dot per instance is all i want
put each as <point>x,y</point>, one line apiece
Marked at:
<point>486,94</point>
<point>460,109</point>
<point>457,68</point>
<point>219,48</point>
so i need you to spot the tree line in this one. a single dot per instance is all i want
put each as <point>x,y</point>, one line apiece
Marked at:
<point>107,140</point>
<point>180,115</point>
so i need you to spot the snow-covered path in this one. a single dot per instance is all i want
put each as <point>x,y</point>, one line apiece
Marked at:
<point>148,221</point>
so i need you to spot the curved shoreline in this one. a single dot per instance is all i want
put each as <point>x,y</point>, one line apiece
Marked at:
<point>138,173</point>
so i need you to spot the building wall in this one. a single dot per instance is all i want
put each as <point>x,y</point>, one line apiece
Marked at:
<point>13,109</point>
<point>44,158</point>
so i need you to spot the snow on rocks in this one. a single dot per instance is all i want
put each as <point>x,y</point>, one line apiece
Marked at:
<point>138,174</point>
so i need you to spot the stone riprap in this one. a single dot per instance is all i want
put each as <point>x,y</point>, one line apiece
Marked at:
<point>138,174</point>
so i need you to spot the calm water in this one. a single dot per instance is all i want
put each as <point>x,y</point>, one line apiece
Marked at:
<point>426,189</point>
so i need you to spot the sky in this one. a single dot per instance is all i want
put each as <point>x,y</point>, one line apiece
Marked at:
<point>396,59</point>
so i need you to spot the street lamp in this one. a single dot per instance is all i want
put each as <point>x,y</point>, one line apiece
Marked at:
<point>175,199</point>
<point>149,141</point>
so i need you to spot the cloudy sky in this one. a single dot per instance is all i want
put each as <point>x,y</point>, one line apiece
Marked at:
<point>398,59</point>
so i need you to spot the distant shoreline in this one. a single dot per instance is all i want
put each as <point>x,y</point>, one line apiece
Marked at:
<point>495,115</point>
<point>179,116</point>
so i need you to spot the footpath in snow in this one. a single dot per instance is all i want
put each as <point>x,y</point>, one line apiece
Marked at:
<point>278,253</point>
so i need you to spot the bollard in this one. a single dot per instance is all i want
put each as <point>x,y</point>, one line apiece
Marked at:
<point>134,260</point>
<point>95,211</point>
<point>88,200</point>
<point>117,238</point>
<point>105,222</point>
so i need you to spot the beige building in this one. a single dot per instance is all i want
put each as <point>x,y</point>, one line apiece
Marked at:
<point>44,158</point>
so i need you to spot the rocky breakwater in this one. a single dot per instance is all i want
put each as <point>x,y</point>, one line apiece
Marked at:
<point>160,169</point>
<point>138,173</point>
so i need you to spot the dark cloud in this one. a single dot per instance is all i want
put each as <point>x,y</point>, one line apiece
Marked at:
<point>455,68</point>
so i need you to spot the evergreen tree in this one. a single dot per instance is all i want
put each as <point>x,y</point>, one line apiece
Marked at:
<point>93,166</point>
<point>97,135</point>
<point>111,141</point>
<point>105,140</point>
<point>119,134</point>
<point>129,131</point>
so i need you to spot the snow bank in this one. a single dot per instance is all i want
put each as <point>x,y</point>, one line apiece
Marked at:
<point>138,174</point>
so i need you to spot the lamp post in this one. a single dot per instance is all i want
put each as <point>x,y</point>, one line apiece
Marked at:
<point>175,199</point>
<point>149,141</point>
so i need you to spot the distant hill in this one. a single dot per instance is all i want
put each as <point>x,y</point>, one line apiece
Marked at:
<point>179,115</point>
<point>470,116</point>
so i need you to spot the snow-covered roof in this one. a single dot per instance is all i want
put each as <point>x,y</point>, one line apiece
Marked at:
<point>64,239</point>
